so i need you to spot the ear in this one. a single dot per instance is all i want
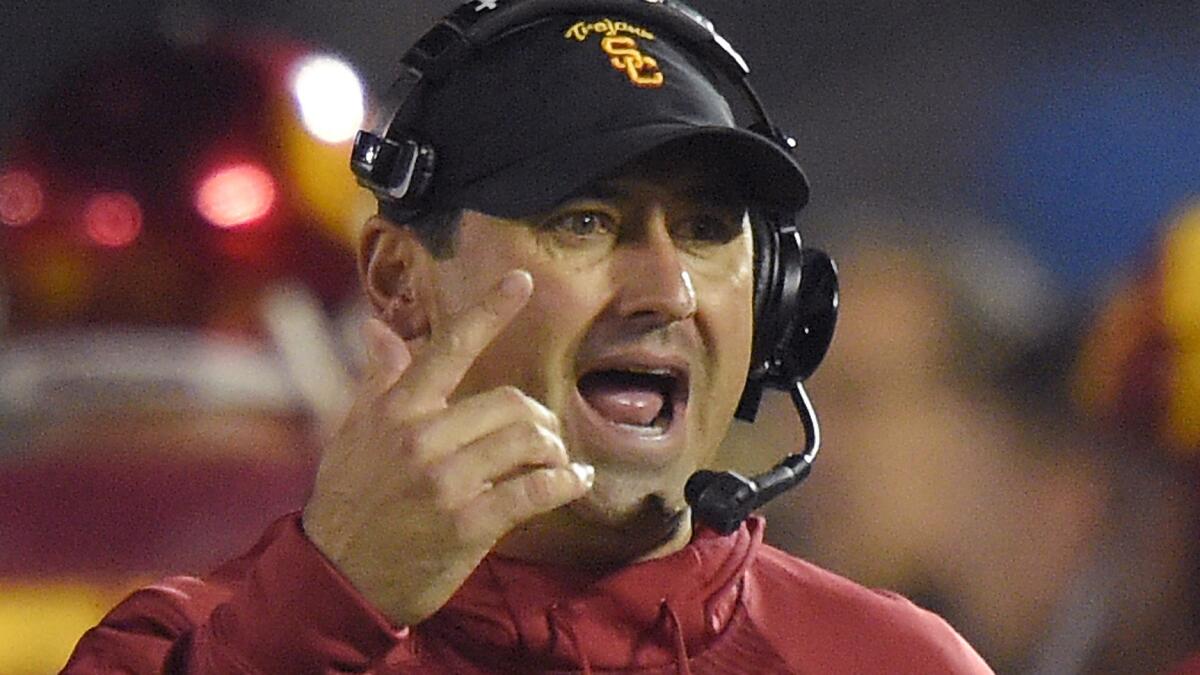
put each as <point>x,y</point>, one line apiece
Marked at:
<point>395,268</point>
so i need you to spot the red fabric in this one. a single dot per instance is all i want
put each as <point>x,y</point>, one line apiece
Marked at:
<point>721,605</point>
<point>115,512</point>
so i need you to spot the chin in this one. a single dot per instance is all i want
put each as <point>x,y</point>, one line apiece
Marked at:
<point>645,514</point>
<point>647,532</point>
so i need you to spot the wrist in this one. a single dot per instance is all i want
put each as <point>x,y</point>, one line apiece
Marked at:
<point>373,582</point>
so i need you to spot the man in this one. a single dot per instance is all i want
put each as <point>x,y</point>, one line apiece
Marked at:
<point>561,338</point>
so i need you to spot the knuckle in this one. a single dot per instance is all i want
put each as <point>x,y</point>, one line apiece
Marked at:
<point>540,412</point>
<point>401,398</point>
<point>529,433</point>
<point>391,412</point>
<point>424,479</point>
<point>454,342</point>
<point>415,437</point>
<point>439,488</point>
<point>444,501</point>
<point>548,441</point>
<point>537,409</point>
<point>538,488</point>
<point>512,396</point>
<point>557,452</point>
<point>438,480</point>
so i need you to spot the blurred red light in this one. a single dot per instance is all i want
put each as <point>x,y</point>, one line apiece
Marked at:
<point>112,219</point>
<point>21,198</point>
<point>236,196</point>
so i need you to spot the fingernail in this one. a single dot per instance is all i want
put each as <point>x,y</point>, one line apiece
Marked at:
<point>586,473</point>
<point>516,283</point>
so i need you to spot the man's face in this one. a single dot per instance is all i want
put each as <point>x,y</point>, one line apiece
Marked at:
<point>638,334</point>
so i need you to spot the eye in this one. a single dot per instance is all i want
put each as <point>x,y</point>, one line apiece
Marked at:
<point>582,223</point>
<point>710,228</point>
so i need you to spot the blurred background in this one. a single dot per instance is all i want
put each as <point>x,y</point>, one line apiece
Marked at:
<point>1011,407</point>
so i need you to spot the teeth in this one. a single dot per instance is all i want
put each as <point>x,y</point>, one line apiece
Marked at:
<point>653,372</point>
<point>642,370</point>
<point>669,380</point>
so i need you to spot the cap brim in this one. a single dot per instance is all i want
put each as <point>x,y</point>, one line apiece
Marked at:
<point>767,174</point>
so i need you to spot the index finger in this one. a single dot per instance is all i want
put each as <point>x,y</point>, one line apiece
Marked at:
<point>438,368</point>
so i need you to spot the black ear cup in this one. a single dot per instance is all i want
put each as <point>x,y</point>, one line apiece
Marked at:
<point>805,341</point>
<point>795,311</point>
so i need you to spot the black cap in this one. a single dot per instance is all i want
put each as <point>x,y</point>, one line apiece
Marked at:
<point>548,108</point>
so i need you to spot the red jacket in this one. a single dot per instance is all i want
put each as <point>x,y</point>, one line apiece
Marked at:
<point>722,605</point>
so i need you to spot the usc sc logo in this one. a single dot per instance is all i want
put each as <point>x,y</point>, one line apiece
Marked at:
<point>642,70</point>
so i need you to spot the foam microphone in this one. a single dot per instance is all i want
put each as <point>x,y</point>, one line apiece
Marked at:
<point>722,500</point>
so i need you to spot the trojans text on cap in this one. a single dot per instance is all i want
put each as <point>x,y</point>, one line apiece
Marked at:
<point>622,49</point>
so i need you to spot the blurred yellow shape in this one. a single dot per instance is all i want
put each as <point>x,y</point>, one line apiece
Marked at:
<point>1181,274</point>
<point>1185,405</point>
<point>1181,305</point>
<point>40,621</point>
<point>321,175</point>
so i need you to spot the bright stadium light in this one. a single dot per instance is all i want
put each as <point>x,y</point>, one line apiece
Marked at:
<point>330,96</point>
<point>236,196</point>
<point>112,219</point>
<point>21,198</point>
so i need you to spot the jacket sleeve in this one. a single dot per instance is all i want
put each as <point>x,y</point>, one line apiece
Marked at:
<point>282,608</point>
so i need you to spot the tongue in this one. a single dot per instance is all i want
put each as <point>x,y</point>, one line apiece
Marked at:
<point>623,403</point>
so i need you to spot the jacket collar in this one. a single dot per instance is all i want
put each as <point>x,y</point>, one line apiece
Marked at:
<point>641,616</point>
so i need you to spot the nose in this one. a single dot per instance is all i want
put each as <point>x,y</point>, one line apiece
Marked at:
<point>655,283</point>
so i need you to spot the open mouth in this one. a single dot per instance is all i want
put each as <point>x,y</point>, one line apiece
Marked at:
<point>647,400</point>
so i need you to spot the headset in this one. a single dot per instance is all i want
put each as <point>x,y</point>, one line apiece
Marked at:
<point>795,288</point>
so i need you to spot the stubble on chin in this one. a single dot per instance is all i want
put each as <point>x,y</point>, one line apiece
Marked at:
<point>633,521</point>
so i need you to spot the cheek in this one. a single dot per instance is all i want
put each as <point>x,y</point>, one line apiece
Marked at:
<point>515,357</point>
<point>548,333</point>
<point>725,293</point>
<point>726,321</point>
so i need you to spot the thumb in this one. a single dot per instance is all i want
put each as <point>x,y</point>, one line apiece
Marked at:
<point>387,353</point>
